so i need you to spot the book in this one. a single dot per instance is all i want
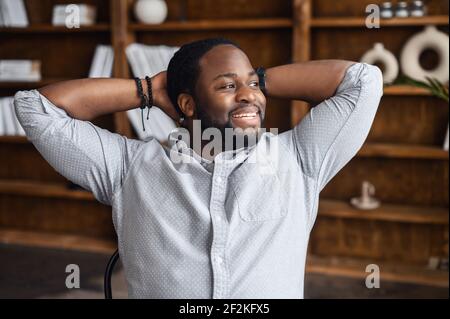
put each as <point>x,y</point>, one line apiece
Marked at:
<point>87,14</point>
<point>102,63</point>
<point>8,116</point>
<point>13,13</point>
<point>20,70</point>
<point>445,146</point>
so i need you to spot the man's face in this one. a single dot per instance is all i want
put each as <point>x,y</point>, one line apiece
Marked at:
<point>228,94</point>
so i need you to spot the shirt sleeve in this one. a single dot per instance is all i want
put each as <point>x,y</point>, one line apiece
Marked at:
<point>82,152</point>
<point>334,130</point>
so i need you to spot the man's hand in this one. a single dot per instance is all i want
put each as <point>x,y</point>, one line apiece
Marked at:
<point>160,96</point>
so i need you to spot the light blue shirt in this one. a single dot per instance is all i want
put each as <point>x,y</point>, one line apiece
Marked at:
<point>234,227</point>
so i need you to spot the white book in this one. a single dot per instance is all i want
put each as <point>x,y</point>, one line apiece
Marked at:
<point>445,146</point>
<point>18,66</point>
<point>2,118</point>
<point>97,62</point>
<point>19,13</point>
<point>108,68</point>
<point>15,10</point>
<point>87,14</point>
<point>10,128</point>
<point>33,77</point>
<point>4,11</point>
<point>2,23</point>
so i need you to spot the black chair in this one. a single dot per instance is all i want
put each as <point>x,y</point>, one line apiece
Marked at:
<point>108,273</point>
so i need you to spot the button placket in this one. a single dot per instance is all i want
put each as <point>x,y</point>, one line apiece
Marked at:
<point>220,231</point>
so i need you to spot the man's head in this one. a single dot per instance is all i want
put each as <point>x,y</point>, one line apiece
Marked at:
<point>213,80</point>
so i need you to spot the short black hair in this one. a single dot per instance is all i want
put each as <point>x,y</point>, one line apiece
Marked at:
<point>183,70</point>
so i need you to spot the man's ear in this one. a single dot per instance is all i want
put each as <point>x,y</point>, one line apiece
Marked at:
<point>187,104</point>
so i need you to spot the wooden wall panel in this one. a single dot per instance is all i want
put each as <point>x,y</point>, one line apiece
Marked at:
<point>410,120</point>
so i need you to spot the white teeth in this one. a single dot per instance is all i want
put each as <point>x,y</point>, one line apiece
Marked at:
<point>245,115</point>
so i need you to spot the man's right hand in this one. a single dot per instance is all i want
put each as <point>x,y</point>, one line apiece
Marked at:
<point>160,96</point>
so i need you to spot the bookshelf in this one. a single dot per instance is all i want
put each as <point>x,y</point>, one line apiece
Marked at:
<point>402,157</point>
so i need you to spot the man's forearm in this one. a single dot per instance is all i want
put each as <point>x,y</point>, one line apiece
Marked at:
<point>86,99</point>
<point>312,81</point>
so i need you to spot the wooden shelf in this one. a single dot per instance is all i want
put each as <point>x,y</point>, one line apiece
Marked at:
<point>41,189</point>
<point>57,241</point>
<point>14,139</point>
<point>350,22</point>
<point>402,151</point>
<point>390,271</point>
<point>49,28</point>
<point>29,85</point>
<point>386,212</point>
<point>225,24</point>
<point>405,90</point>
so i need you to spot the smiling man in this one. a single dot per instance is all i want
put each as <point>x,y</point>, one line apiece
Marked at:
<point>235,225</point>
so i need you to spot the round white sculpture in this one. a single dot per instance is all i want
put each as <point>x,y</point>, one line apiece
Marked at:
<point>433,39</point>
<point>150,11</point>
<point>379,54</point>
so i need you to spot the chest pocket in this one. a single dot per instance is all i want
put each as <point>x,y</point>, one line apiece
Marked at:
<point>259,192</point>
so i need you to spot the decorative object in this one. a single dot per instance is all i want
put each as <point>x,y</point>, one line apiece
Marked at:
<point>386,11</point>
<point>150,11</point>
<point>418,9</point>
<point>366,201</point>
<point>430,38</point>
<point>401,10</point>
<point>387,58</point>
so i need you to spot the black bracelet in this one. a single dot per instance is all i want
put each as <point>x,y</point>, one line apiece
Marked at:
<point>150,94</point>
<point>144,101</point>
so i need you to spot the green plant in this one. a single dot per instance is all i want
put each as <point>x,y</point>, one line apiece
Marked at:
<point>436,88</point>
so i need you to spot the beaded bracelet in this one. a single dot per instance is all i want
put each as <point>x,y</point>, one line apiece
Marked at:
<point>150,94</point>
<point>144,99</point>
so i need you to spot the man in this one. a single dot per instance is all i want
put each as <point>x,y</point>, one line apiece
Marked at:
<point>219,227</point>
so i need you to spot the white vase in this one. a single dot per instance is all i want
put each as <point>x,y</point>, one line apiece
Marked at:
<point>379,54</point>
<point>150,11</point>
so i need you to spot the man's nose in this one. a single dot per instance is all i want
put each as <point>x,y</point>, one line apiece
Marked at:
<point>246,95</point>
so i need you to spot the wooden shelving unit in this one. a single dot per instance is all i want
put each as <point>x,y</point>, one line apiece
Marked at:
<point>411,225</point>
<point>356,22</point>
<point>49,28</point>
<point>208,25</point>
<point>406,151</point>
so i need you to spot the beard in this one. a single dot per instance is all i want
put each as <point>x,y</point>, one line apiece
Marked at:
<point>240,137</point>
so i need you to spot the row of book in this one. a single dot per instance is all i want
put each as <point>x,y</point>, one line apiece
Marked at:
<point>30,70</point>
<point>9,125</point>
<point>20,70</point>
<point>13,13</point>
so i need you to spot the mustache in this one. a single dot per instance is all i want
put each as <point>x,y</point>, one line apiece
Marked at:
<point>245,105</point>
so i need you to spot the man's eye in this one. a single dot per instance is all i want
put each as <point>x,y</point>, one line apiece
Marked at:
<point>256,82</point>
<point>227,86</point>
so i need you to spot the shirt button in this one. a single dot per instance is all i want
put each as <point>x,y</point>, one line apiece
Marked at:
<point>219,179</point>
<point>219,260</point>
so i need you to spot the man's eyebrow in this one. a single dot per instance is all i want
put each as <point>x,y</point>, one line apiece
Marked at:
<point>232,75</point>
